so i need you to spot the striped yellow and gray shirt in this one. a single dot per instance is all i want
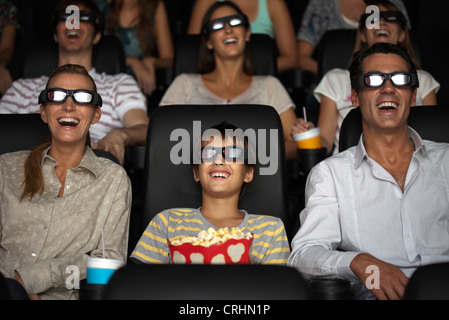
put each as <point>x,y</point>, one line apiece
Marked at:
<point>270,243</point>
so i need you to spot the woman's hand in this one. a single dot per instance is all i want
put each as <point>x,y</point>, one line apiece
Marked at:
<point>301,126</point>
<point>145,74</point>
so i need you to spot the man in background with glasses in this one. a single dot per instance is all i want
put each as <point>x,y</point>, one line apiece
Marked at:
<point>124,120</point>
<point>373,212</point>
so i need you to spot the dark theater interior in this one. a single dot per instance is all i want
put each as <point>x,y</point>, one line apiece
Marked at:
<point>305,181</point>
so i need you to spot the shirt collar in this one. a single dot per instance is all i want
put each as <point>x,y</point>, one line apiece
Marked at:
<point>89,162</point>
<point>360,152</point>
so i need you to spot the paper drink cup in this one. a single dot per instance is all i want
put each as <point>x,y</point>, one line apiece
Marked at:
<point>100,270</point>
<point>231,252</point>
<point>309,139</point>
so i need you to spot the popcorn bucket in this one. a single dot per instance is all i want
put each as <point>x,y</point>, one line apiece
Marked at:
<point>232,251</point>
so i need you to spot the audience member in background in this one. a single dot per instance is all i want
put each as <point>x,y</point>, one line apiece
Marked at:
<point>269,17</point>
<point>377,211</point>
<point>125,120</point>
<point>225,73</point>
<point>334,90</point>
<point>58,199</point>
<point>144,30</point>
<point>223,173</point>
<point>8,30</point>
<point>323,15</point>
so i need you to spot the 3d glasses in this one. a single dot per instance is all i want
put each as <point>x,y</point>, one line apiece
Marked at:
<point>378,79</point>
<point>85,16</point>
<point>234,20</point>
<point>80,96</point>
<point>229,153</point>
<point>388,16</point>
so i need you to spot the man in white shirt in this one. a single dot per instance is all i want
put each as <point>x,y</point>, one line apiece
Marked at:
<point>377,211</point>
<point>124,119</point>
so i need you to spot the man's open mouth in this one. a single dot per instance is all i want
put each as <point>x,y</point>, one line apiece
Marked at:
<point>387,106</point>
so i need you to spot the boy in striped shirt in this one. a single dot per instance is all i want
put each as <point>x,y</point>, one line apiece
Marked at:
<point>223,172</point>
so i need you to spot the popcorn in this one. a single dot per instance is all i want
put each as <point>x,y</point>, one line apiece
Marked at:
<point>213,247</point>
<point>212,237</point>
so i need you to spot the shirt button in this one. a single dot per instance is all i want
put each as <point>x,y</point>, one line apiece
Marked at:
<point>408,236</point>
<point>67,187</point>
<point>34,255</point>
<point>45,227</point>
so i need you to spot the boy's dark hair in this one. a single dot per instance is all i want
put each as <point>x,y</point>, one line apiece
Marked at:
<point>356,67</point>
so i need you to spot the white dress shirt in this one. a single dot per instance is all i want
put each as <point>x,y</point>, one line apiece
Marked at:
<point>354,205</point>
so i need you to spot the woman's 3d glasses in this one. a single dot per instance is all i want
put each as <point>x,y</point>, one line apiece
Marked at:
<point>388,16</point>
<point>80,96</point>
<point>378,79</point>
<point>229,153</point>
<point>234,20</point>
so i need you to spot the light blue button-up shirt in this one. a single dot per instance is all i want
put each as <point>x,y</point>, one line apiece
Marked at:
<point>354,205</point>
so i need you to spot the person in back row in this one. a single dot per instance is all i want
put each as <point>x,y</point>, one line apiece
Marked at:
<point>270,17</point>
<point>381,208</point>
<point>124,119</point>
<point>226,74</point>
<point>334,90</point>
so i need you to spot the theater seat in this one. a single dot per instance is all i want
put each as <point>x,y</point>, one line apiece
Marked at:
<point>429,282</point>
<point>24,131</point>
<point>206,282</point>
<point>168,184</point>
<point>335,50</point>
<point>429,121</point>
<point>42,58</point>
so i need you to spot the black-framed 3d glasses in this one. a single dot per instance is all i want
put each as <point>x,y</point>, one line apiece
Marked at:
<point>234,20</point>
<point>388,16</point>
<point>85,16</point>
<point>229,153</point>
<point>378,79</point>
<point>80,96</point>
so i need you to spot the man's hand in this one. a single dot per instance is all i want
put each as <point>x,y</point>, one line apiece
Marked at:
<point>114,143</point>
<point>392,281</point>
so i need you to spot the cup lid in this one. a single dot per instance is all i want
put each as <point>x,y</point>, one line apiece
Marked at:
<point>311,133</point>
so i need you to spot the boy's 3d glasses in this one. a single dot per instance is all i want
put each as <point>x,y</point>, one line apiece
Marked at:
<point>229,153</point>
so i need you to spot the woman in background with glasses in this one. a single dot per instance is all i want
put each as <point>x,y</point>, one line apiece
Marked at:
<point>58,201</point>
<point>225,72</point>
<point>334,90</point>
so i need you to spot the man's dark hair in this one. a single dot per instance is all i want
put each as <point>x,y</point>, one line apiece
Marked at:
<point>356,67</point>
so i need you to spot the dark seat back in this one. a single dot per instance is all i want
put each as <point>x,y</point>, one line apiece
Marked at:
<point>25,131</point>
<point>42,58</point>
<point>429,282</point>
<point>22,132</point>
<point>169,185</point>
<point>206,282</point>
<point>263,54</point>
<point>335,50</point>
<point>429,121</point>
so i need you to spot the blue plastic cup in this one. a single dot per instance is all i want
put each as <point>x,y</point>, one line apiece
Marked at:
<point>100,270</point>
